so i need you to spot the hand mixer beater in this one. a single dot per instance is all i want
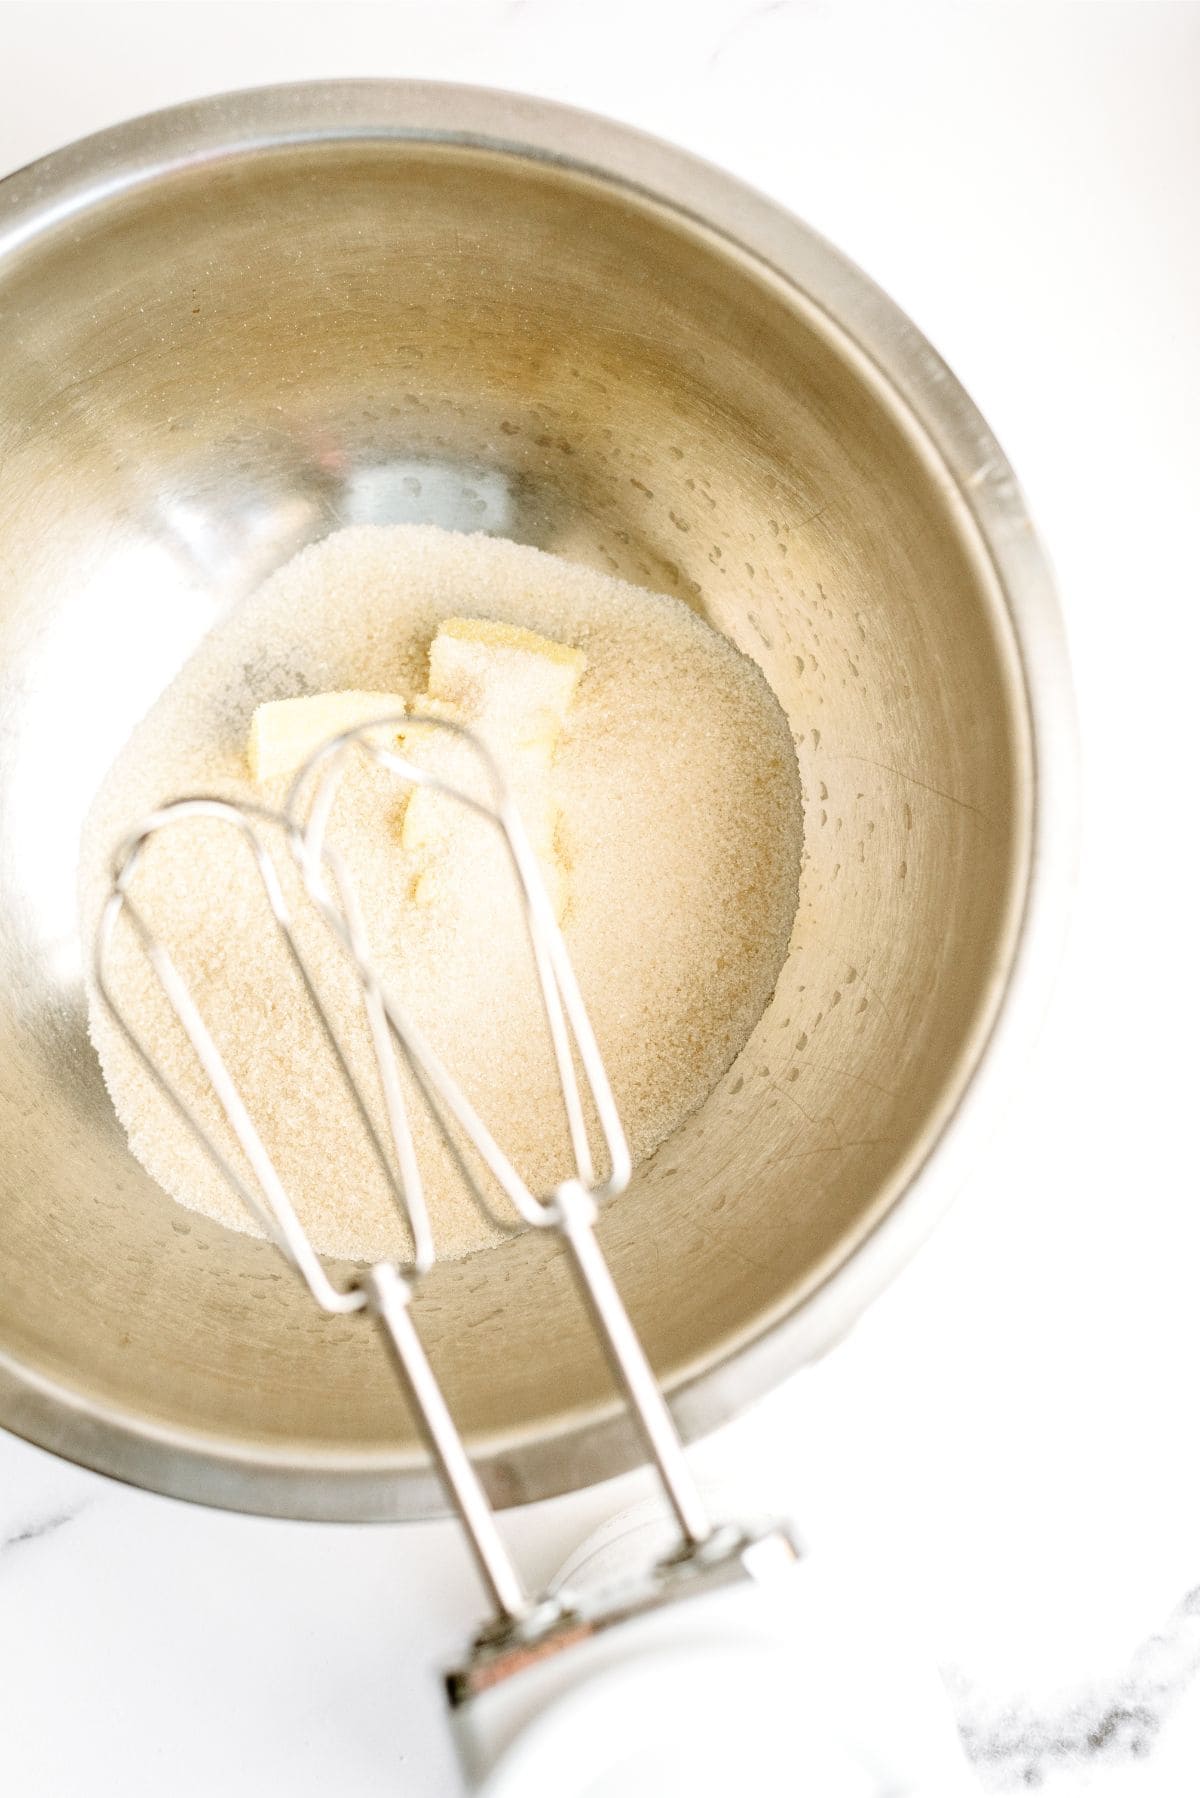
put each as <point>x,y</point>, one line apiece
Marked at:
<point>519,1664</point>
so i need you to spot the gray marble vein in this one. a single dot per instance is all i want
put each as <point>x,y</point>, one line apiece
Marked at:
<point>38,1527</point>
<point>1022,1746</point>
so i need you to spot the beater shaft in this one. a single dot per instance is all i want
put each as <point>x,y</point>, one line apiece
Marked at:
<point>388,1298</point>
<point>627,1358</point>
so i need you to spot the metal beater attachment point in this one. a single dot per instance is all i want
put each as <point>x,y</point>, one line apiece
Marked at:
<point>386,1289</point>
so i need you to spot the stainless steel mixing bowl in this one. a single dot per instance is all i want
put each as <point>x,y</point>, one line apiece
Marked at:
<point>230,328</point>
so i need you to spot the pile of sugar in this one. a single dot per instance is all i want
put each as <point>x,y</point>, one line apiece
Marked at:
<point>680,833</point>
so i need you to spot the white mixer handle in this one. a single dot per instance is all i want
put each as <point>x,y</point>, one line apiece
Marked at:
<point>772,1687</point>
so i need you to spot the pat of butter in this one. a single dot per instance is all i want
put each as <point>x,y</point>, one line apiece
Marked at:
<point>285,732</point>
<point>515,689</point>
<point>516,686</point>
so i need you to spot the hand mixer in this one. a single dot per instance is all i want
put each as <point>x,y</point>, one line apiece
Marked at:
<point>690,1672</point>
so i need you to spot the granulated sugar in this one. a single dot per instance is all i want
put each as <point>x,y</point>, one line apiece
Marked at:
<point>680,836</point>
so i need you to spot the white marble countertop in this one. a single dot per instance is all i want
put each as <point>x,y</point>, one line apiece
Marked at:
<point>1009,1438</point>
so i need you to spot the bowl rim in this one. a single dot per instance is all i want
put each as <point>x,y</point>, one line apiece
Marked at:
<point>343,1486</point>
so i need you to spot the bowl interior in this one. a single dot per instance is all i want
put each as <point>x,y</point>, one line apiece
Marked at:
<point>203,373</point>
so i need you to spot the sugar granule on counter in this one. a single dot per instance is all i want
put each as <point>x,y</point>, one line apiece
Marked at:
<point>679,832</point>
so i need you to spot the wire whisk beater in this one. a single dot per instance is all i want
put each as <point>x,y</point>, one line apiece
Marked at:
<point>409,1070</point>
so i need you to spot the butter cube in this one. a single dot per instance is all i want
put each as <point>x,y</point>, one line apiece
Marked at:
<point>514,689</point>
<point>429,815</point>
<point>515,685</point>
<point>285,732</point>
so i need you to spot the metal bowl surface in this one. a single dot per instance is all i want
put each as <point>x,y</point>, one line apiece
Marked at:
<point>232,327</point>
